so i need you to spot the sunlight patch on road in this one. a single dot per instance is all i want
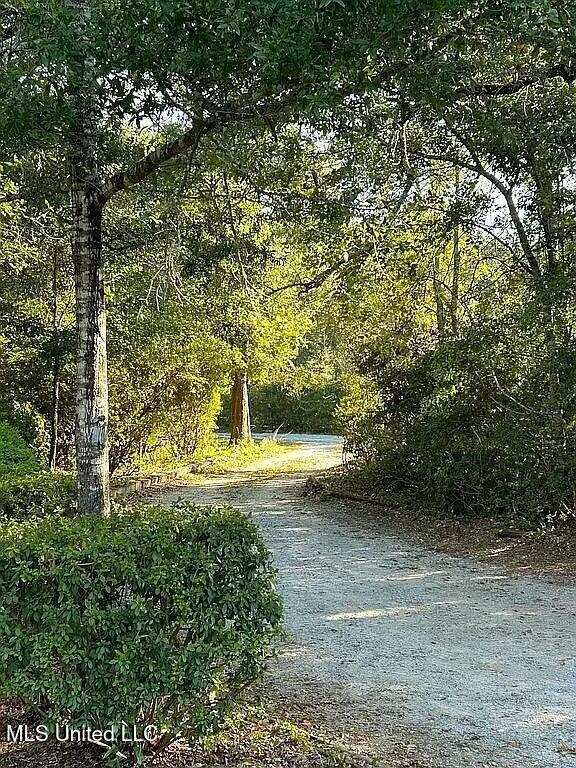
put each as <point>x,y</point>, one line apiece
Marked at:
<point>550,717</point>
<point>398,610</point>
<point>412,576</point>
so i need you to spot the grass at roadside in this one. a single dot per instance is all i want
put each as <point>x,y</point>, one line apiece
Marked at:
<point>217,458</point>
<point>260,737</point>
<point>223,458</point>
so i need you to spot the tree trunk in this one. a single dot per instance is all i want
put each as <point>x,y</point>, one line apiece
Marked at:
<point>92,462</point>
<point>55,408</point>
<point>55,404</point>
<point>555,399</point>
<point>438,299</point>
<point>240,430</point>
<point>92,377</point>
<point>455,288</point>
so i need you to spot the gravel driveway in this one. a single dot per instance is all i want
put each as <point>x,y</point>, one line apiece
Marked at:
<point>461,664</point>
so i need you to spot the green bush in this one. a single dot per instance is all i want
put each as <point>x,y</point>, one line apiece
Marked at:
<point>16,456</point>
<point>469,426</point>
<point>40,494</point>
<point>153,616</point>
<point>29,423</point>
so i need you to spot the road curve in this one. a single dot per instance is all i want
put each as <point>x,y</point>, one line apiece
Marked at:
<point>399,645</point>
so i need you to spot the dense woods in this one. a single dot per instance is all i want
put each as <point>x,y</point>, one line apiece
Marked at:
<point>387,236</point>
<point>323,216</point>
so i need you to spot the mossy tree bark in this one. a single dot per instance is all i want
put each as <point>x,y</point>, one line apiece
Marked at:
<point>92,379</point>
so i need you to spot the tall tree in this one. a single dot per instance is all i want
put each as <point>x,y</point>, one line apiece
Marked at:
<point>81,68</point>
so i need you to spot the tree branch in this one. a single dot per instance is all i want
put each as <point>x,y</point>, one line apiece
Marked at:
<point>186,142</point>
<point>13,197</point>
<point>507,192</point>
<point>306,286</point>
<point>477,167</point>
<point>561,71</point>
<point>189,141</point>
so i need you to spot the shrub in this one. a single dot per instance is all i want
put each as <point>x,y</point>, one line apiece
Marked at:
<point>469,426</point>
<point>16,456</point>
<point>29,424</point>
<point>40,494</point>
<point>165,400</point>
<point>150,616</point>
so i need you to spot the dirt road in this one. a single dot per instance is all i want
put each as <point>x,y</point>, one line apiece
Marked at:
<point>442,660</point>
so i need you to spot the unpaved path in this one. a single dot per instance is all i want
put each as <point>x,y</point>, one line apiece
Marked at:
<point>396,642</point>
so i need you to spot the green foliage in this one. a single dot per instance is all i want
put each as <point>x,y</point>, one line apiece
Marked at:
<point>310,409</point>
<point>37,495</point>
<point>414,169</point>
<point>152,616</point>
<point>166,398</point>
<point>179,318</point>
<point>36,309</point>
<point>28,422</point>
<point>16,457</point>
<point>469,427</point>
<point>237,54</point>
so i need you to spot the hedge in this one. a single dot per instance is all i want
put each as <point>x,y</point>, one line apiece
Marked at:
<point>151,616</point>
<point>44,493</point>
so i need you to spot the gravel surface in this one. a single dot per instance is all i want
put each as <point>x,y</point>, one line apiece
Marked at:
<point>392,642</point>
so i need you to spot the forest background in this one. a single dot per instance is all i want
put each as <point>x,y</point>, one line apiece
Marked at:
<point>391,258</point>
